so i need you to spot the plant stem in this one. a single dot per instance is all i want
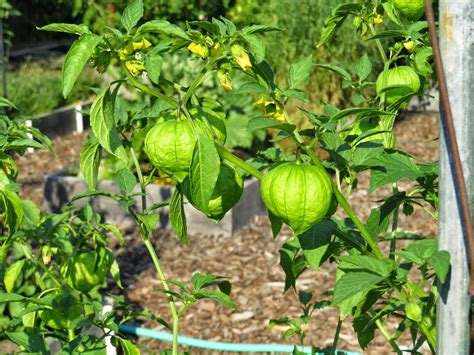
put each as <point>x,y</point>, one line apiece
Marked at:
<point>140,177</point>
<point>70,334</point>
<point>387,336</point>
<point>429,337</point>
<point>147,89</point>
<point>363,230</point>
<point>164,282</point>
<point>336,337</point>
<point>225,154</point>
<point>155,259</point>
<point>205,70</point>
<point>393,236</point>
<point>378,43</point>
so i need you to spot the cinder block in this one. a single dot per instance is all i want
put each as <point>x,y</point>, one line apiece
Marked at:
<point>60,189</point>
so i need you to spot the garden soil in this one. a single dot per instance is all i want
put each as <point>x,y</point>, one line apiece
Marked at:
<point>250,260</point>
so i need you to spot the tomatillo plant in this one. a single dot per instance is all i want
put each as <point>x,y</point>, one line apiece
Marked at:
<point>373,284</point>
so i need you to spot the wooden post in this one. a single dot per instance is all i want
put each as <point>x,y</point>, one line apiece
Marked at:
<point>456,18</point>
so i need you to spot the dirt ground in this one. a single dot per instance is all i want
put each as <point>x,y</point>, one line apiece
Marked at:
<point>249,259</point>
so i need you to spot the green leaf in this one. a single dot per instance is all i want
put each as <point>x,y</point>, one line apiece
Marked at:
<point>12,208</point>
<point>257,47</point>
<point>66,28</point>
<point>128,347</point>
<point>132,14</point>
<point>221,297</point>
<point>413,311</point>
<point>204,171</point>
<point>276,223</point>
<point>30,340</point>
<point>264,123</point>
<point>291,262</point>
<point>76,58</point>
<point>295,94</point>
<point>126,180</point>
<point>12,273</point>
<point>149,220</point>
<point>336,69</point>
<point>200,280</point>
<point>89,163</point>
<point>419,251</point>
<point>422,61</point>
<point>389,34</point>
<point>177,216</point>
<point>153,63</point>
<point>315,243</point>
<point>363,112</point>
<point>365,152</point>
<point>365,329</point>
<point>354,283</point>
<point>248,88</point>
<point>164,27</point>
<point>10,297</point>
<point>391,167</point>
<point>390,11</point>
<point>300,71</point>
<point>335,21</point>
<point>103,125</point>
<point>258,29</point>
<point>363,67</point>
<point>439,261</point>
<point>367,264</point>
<point>114,269</point>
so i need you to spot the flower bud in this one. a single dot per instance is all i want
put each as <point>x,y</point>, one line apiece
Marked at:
<point>241,57</point>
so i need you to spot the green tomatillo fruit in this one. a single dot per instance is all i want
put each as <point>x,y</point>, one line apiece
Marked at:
<point>87,270</point>
<point>411,9</point>
<point>298,194</point>
<point>227,192</point>
<point>403,79</point>
<point>170,146</point>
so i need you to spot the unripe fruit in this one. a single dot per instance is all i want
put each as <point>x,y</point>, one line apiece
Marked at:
<point>227,192</point>
<point>169,146</point>
<point>411,9</point>
<point>298,194</point>
<point>404,78</point>
<point>86,271</point>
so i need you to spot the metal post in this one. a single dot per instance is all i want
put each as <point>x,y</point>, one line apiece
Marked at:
<point>457,46</point>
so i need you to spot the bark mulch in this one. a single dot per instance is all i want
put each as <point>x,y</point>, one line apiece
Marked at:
<point>250,260</point>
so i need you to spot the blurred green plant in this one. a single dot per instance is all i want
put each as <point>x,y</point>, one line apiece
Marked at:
<point>35,87</point>
<point>302,22</point>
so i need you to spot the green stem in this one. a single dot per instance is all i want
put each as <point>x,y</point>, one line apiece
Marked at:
<point>363,230</point>
<point>164,282</point>
<point>387,336</point>
<point>336,337</point>
<point>393,236</point>
<point>205,70</point>
<point>225,154</point>
<point>140,177</point>
<point>378,43</point>
<point>147,89</point>
<point>429,336</point>
<point>155,259</point>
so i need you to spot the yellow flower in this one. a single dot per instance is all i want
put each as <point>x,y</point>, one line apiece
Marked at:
<point>143,44</point>
<point>226,84</point>
<point>409,45</point>
<point>199,49</point>
<point>378,19</point>
<point>135,67</point>
<point>132,47</point>
<point>215,49</point>
<point>241,57</point>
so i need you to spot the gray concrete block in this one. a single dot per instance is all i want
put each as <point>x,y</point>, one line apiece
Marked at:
<point>60,189</point>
